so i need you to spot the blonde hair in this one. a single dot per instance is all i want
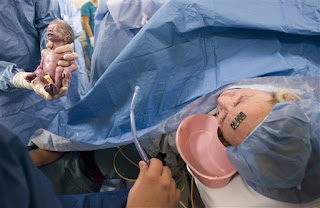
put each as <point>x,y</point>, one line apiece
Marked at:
<point>285,95</point>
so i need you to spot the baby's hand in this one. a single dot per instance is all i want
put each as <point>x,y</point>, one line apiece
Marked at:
<point>30,77</point>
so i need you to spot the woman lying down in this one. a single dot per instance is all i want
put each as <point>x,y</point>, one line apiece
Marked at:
<point>276,147</point>
<point>273,141</point>
<point>270,126</point>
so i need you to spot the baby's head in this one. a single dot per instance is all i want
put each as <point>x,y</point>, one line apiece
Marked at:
<point>59,30</point>
<point>242,110</point>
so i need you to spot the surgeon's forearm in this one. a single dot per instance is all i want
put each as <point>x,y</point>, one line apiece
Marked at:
<point>41,157</point>
<point>8,70</point>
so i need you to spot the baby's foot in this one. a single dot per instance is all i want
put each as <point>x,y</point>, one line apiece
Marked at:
<point>50,88</point>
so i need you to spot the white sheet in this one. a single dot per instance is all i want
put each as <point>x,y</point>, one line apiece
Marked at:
<point>238,194</point>
<point>133,13</point>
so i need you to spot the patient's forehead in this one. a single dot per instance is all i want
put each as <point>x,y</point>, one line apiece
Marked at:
<point>252,105</point>
<point>246,91</point>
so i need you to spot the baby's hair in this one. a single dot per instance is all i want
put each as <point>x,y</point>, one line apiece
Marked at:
<point>66,29</point>
<point>285,95</point>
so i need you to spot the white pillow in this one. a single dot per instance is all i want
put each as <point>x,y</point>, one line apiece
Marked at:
<point>238,194</point>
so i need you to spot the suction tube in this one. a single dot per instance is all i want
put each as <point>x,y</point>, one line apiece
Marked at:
<point>141,151</point>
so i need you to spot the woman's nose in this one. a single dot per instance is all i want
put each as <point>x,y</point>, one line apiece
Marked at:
<point>222,114</point>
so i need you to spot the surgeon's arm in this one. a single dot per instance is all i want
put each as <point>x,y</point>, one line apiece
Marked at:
<point>42,157</point>
<point>7,72</point>
<point>22,183</point>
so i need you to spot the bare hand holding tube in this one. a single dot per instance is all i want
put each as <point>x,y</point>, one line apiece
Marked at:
<point>154,187</point>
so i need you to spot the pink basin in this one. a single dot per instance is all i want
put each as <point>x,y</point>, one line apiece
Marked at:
<point>199,146</point>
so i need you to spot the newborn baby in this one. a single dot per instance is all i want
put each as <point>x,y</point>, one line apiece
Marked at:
<point>48,72</point>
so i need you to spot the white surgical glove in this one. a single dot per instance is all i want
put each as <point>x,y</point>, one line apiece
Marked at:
<point>36,85</point>
<point>19,80</point>
<point>92,41</point>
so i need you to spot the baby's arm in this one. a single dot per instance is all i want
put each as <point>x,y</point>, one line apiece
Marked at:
<point>39,71</point>
<point>32,76</point>
<point>64,73</point>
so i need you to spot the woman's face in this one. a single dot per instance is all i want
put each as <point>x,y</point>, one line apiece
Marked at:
<point>255,104</point>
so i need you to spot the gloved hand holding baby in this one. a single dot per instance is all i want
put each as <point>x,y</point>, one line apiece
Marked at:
<point>52,78</point>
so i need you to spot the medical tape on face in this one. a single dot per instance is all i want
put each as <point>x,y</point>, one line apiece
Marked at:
<point>237,120</point>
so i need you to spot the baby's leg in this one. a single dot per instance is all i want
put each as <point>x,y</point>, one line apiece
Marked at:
<point>58,79</point>
<point>40,74</point>
<point>66,75</point>
<point>50,88</point>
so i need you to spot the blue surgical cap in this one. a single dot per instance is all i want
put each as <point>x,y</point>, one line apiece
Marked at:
<point>280,159</point>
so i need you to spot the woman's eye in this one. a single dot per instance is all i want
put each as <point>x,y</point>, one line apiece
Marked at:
<point>237,102</point>
<point>222,115</point>
<point>240,100</point>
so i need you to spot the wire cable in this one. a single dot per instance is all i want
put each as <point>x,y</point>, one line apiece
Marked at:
<point>115,167</point>
<point>125,156</point>
<point>182,204</point>
<point>129,179</point>
<point>191,193</point>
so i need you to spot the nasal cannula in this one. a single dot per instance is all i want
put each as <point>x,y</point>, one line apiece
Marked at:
<point>141,151</point>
